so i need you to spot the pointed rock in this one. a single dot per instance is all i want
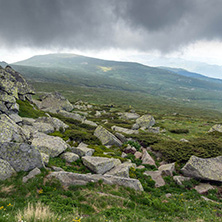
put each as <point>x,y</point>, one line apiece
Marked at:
<point>69,157</point>
<point>147,159</point>
<point>167,169</point>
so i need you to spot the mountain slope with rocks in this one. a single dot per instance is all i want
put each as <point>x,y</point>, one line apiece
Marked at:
<point>71,156</point>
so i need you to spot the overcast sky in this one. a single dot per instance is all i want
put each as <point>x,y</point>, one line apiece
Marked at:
<point>112,29</point>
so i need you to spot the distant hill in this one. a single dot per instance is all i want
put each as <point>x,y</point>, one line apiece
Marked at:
<point>175,85</point>
<point>3,64</point>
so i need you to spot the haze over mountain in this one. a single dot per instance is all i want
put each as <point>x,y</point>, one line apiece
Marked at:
<point>75,70</point>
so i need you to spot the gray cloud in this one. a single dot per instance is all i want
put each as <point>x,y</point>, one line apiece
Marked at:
<point>164,25</point>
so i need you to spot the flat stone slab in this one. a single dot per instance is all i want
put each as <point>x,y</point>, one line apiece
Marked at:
<point>203,188</point>
<point>6,170</point>
<point>69,157</point>
<point>67,179</point>
<point>51,145</point>
<point>100,165</point>
<point>156,176</point>
<point>106,137</point>
<point>205,169</point>
<point>124,130</point>
<point>21,156</point>
<point>82,150</point>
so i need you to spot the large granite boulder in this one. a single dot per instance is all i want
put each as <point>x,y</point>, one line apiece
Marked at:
<point>205,169</point>
<point>68,179</point>
<point>100,165</point>
<point>144,122</point>
<point>10,131</point>
<point>69,157</point>
<point>53,102</point>
<point>106,137</point>
<point>124,130</point>
<point>12,87</point>
<point>6,170</point>
<point>21,156</point>
<point>51,145</point>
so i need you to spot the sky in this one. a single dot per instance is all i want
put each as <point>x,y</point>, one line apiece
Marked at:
<point>179,33</point>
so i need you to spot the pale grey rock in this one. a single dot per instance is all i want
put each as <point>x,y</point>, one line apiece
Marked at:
<point>53,102</point>
<point>216,127</point>
<point>67,179</point>
<point>205,169</point>
<point>98,113</point>
<point>15,117</point>
<point>51,145</point>
<point>90,123</point>
<point>69,157</point>
<point>28,121</point>
<point>129,116</point>
<point>123,155</point>
<point>153,130</point>
<point>100,165</point>
<point>55,168</point>
<point>207,199</point>
<point>203,188</point>
<point>6,170</point>
<point>82,150</point>
<point>72,115</point>
<point>130,149</point>
<point>156,176</point>
<point>144,122</point>
<point>179,179</point>
<point>140,167</point>
<point>168,195</point>
<point>21,156</point>
<point>124,130</point>
<point>43,127</point>
<point>138,155</point>
<point>121,170</point>
<point>31,175</point>
<point>184,140</point>
<point>106,137</point>
<point>147,159</point>
<point>167,169</point>
<point>121,137</point>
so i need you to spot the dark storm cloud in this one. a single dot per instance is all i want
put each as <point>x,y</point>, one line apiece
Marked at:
<point>94,24</point>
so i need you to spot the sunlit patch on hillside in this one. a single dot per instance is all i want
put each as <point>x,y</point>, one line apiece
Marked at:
<point>105,69</point>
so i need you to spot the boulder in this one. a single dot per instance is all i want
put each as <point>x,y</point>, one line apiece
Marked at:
<point>153,130</point>
<point>147,159</point>
<point>21,156</point>
<point>42,127</point>
<point>167,169</point>
<point>121,137</point>
<point>82,150</point>
<point>179,179</point>
<point>51,145</point>
<point>67,179</point>
<point>6,170</point>
<point>71,115</point>
<point>144,122</point>
<point>138,155</point>
<point>57,124</point>
<point>45,158</point>
<point>216,127</point>
<point>69,157</point>
<point>130,149</point>
<point>15,117</point>
<point>121,170</point>
<point>106,137</point>
<point>55,168</point>
<point>204,169</point>
<point>156,176</point>
<point>124,130</point>
<point>203,188</point>
<point>90,123</point>
<point>10,131</point>
<point>129,116</point>
<point>54,102</point>
<point>100,165</point>
<point>31,175</point>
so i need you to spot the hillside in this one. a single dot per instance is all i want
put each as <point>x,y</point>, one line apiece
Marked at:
<point>74,71</point>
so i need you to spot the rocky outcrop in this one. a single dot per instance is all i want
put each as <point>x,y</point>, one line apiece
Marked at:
<point>100,165</point>
<point>53,102</point>
<point>21,156</point>
<point>216,127</point>
<point>144,122</point>
<point>6,170</point>
<point>67,179</point>
<point>205,169</point>
<point>51,145</point>
<point>106,137</point>
<point>12,87</point>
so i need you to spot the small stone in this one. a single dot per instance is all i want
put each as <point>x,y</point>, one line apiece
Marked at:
<point>168,195</point>
<point>203,188</point>
<point>130,149</point>
<point>45,158</point>
<point>147,159</point>
<point>156,176</point>
<point>138,155</point>
<point>167,169</point>
<point>69,157</point>
<point>140,167</point>
<point>123,155</point>
<point>55,168</point>
<point>179,179</point>
<point>82,150</point>
<point>31,175</point>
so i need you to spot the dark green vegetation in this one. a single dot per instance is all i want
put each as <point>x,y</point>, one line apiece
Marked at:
<point>120,82</point>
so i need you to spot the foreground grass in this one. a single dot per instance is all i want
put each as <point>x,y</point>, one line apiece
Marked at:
<point>99,202</point>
